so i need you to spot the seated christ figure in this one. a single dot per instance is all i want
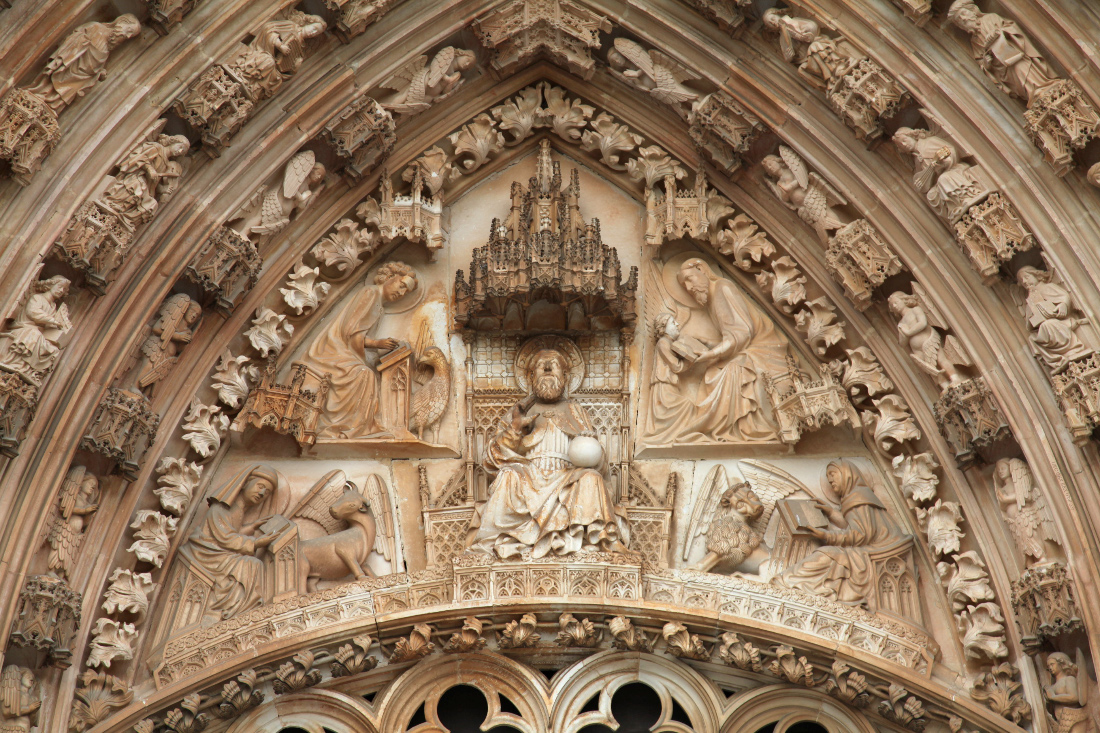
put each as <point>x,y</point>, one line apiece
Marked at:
<point>542,501</point>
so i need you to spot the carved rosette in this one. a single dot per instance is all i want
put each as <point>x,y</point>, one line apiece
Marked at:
<point>801,404</point>
<point>1059,120</point>
<point>362,134</point>
<point>18,402</point>
<point>1078,390</point>
<point>48,616</point>
<point>1045,607</point>
<point>990,233</point>
<point>226,268</point>
<point>860,261</point>
<point>969,419</point>
<point>122,429</point>
<point>28,132</point>
<point>865,96</point>
<point>290,409</point>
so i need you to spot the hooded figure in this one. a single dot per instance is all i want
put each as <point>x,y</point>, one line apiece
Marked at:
<point>225,543</point>
<point>842,568</point>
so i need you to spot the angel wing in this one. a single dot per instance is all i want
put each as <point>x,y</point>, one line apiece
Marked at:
<point>796,165</point>
<point>1028,492</point>
<point>637,55</point>
<point>710,494</point>
<point>10,693</point>
<point>314,505</point>
<point>297,170</point>
<point>667,75</point>
<point>770,484</point>
<point>405,75</point>
<point>816,209</point>
<point>64,541</point>
<point>440,64</point>
<point>374,490</point>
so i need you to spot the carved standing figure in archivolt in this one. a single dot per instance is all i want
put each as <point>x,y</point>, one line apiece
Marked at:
<point>803,191</point>
<point>419,84</point>
<point>173,329</point>
<point>20,700</point>
<point>938,355</point>
<point>271,207</point>
<point>1053,317</point>
<point>1025,512</point>
<point>79,499</point>
<point>31,346</point>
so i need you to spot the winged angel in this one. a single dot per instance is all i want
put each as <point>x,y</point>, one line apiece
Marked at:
<point>1025,510</point>
<point>65,527</point>
<point>653,73</point>
<point>735,516</point>
<point>271,207</point>
<point>418,85</point>
<point>804,191</point>
<point>20,700</point>
<point>938,355</point>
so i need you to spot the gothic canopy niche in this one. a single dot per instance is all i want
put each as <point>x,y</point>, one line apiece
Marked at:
<point>572,365</point>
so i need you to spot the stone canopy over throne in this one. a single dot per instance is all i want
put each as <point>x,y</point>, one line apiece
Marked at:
<point>545,280</point>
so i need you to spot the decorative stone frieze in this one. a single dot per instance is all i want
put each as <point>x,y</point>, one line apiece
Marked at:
<point>856,87</point>
<point>225,96</point>
<point>1045,606</point>
<point>289,409</point>
<point>362,134</point>
<point>522,30</point>
<point>122,429</point>
<point>47,617</point>
<point>226,268</point>
<point>802,404</point>
<point>28,115</point>
<point>970,419</point>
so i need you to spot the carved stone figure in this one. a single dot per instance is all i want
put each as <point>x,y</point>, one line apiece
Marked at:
<point>271,207</point>
<point>428,403</point>
<point>1053,317</point>
<point>20,700</point>
<point>146,176</point>
<point>653,72</point>
<point>936,355</point>
<point>950,185</point>
<point>731,402</point>
<point>823,60</point>
<point>418,84</point>
<point>842,568</point>
<point>342,554</point>
<point>352,407</point>
<point>30,347</point>
<point>1003,51</point>
<point>1067,695</point>
<point>78,500</point>
<point>226,543</point>
<point>159,352</point>
<point>803,191</point>
<point>549,495</point>
<point>1025,512</point>
<point>80,61</point>
<point>731,536</point>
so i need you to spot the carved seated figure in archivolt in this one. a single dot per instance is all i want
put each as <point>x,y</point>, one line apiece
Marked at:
<point>549,496</point>
<point>708,382</point>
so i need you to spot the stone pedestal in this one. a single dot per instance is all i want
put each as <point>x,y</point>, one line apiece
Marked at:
<point>48,616</point>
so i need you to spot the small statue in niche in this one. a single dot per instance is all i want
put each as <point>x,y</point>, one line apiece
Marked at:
<point>730,403</point>
<point>147,177</point>
<point>269,210</point>
<point>803,191</point>
<point>823,60</point>
<point>1025,511</point>
<point>653,72</point>
<point>226,543</point>
<point>842,569</point>
<point>173,329</point>
<point>1004,52</point>
<point>352,407</point>
<point>79,499</point>
<point>549,495</point>
<point>1067,694</point>
<point>277,49</point>
<point>81,60</point>
<point>31,346</point>
<point>1052,316</point>
<point>20,700</point>
<point>418,85</point>
<point>950,186</point>
<point>935,354</point>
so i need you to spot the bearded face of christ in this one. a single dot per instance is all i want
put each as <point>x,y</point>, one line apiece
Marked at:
<point>548,376</point>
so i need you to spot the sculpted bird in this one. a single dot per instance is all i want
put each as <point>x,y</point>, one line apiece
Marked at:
<point>430,400</point>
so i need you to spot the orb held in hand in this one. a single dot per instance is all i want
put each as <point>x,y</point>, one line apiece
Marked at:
<point>585,452</point>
